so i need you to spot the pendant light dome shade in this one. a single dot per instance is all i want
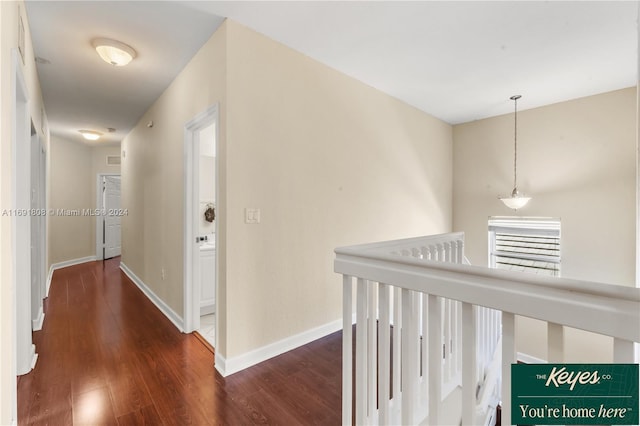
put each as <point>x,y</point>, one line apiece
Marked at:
<point>114,52</point>
<point>516,200</point>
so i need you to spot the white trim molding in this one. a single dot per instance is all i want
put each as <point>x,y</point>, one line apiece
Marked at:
<point>528,359</point>
<point>55,266</point>
<point>227,367</point>
<point>100,217</point>
<point>37,323</point>
<point>191,259</point>
<point>160,304</point>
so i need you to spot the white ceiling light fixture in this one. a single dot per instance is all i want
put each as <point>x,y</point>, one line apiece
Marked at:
<point>90,135</point>
<point>516,200</point>
<point>114,52</point>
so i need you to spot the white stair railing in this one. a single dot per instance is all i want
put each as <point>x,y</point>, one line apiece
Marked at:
<point>424,319</point>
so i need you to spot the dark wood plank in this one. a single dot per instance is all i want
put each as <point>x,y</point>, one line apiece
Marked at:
<point>108,356</point>
<point>93,408</point>
<point>144,416</point>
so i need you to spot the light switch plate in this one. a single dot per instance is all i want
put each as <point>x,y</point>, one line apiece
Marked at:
<point>251,215</point>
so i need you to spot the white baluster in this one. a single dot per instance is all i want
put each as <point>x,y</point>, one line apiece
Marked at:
<point>623,351</point>
<point>397,350</point>
<point>361,352</point>
<point>424,252</point>
<point>409,357</point>
<point>448,252</point>
<point>479,372</point>
<point>435,358</point>
<point>347,348</point>
<point>425,347</point>
<point>384,348</point>
<point>458,348</point>
<point>555,343</point>
<point>459,251</point>
<point>446,374</point>
<point>508,358</point>
<point>469,382</point>
<point>372,326</point>
<point>484,335</point>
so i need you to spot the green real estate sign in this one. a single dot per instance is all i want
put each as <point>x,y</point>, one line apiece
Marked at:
<point>574,394</point>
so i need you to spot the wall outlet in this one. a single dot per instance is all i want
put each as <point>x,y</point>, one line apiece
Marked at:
<point>251,215</point>
<point>163,274</point>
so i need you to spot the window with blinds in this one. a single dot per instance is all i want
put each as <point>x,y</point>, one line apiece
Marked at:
<point>525,244</point>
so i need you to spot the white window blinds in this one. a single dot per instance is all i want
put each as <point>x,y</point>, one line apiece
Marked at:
<point>525,244</point>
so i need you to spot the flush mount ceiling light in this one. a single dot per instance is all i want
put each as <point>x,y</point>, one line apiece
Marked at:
<point>90,135</point>
<point>114,52</point>
<point>516,200</point>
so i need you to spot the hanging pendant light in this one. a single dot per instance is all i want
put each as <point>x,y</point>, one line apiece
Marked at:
<point>516,200</point>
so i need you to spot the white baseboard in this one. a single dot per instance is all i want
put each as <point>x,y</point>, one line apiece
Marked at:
<point>64,264</point>
<point>227,367</point>
<point>34,358</point>
<point>37,323</point>
<point>207,309</point>
<point>160,304</point>
<point>220,364</point>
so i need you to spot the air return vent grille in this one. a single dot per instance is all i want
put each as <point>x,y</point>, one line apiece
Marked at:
<point>113,160</point>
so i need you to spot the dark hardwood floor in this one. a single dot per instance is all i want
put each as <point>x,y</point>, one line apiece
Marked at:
<point>108,356</point>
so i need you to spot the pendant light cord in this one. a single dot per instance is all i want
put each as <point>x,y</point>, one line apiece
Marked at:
<point>515,141</point>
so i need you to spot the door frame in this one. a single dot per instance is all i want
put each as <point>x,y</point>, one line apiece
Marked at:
<point>191,295</point>
<point>100,207</point>
<point>25,355</point>
<point>38,162</point>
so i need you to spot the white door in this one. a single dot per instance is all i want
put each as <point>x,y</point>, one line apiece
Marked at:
<point>111,205</point>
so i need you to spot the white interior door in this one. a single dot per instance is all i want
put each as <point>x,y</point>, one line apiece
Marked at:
<point>111,205</point>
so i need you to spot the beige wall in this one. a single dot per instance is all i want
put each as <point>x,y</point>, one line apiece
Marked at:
<point>153,177</point>
<point>70,186</point>
<point>8,42</point>
<point>577,160</point>
<point>72,182</point>
<point>328,160</point>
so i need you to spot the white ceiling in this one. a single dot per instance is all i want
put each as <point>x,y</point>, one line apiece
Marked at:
<point>81,91</point>
<point>459,61</point>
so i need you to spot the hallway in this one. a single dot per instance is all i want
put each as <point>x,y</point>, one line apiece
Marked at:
<point>108,356</point>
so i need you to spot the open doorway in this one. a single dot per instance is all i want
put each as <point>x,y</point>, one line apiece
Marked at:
<point>200,257</point>
<point>108,219</point>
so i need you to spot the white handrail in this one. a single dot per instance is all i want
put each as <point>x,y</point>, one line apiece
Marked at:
<point>433,267</point>
<point>597,307</point>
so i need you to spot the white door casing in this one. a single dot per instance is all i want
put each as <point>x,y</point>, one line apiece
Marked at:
<point>38,274</point>
<point>191,277</point>
<point>24,355</point>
